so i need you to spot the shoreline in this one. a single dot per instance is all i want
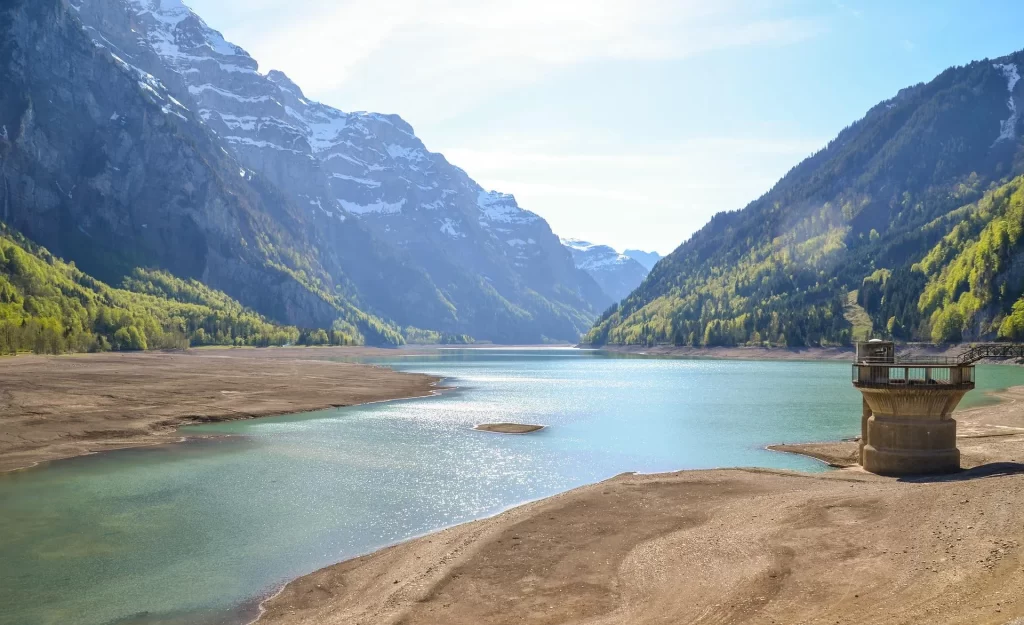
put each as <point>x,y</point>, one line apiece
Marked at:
<point>57,407</point>
<point>780,353</point>
<point>762,537</point>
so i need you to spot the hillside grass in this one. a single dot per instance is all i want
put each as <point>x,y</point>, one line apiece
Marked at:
<point>858,318</point>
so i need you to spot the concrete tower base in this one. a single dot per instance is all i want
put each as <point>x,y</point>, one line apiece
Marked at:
<point>910,430</point>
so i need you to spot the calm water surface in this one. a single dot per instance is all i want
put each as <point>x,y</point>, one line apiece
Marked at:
<point>197,532</point>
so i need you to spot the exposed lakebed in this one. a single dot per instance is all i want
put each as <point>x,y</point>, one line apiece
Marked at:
<point>198,532</point>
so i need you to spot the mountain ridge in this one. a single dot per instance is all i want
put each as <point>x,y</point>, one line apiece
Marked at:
<point>878,198</point>
<point>473,260</point>
<point>101,165</point>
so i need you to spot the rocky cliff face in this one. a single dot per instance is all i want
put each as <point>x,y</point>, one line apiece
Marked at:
<point>103,165</point>
<point>419,241</point>
<point>617,274</point>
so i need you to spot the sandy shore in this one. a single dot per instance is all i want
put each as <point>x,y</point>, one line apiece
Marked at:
<point>725,546</point>
<point>63,406</point>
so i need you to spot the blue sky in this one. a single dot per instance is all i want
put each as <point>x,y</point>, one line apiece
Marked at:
<point>623,122</point>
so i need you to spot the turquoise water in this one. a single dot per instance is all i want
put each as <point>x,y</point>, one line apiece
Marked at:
<point>197,532</point>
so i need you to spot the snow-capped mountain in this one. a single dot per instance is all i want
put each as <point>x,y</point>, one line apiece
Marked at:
<point>103,164</point>
<point>482,264</point>
<point>647,259</point>
<point>617,274</point>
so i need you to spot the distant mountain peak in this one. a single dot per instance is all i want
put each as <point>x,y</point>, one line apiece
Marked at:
<point>594,255</point>
<point>647,259</point>
<point>617,273</point>
<point>282,80</point>
<point>176,31</point>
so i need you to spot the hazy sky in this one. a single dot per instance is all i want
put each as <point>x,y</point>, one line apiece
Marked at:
<point>623,122</point>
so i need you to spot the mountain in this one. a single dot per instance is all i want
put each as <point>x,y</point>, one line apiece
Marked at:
<point>647,259</point>
<point>616,274</point>
<point>406,235</point>
<point>102,165</point>
<point>906,224</point>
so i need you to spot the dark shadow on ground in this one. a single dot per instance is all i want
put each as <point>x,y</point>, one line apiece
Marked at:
<point>993,469</point>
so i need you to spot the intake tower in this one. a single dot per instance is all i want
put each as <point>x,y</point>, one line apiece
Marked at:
<point>907,425</point>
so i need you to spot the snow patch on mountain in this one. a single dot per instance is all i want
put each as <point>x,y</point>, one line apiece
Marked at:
<point>502,208</point>
<point>1008,127</point>
<point>150,86</point>
<point>409,154</point>
<point>450,227</point>
<point>380,206</point>
<point>373,184</point>
<point>170,36</point>
<point>199,89</point>
<point>589,256</point>
<point>323,126</point>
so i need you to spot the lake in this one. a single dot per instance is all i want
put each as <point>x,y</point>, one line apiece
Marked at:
<point>198,532</point>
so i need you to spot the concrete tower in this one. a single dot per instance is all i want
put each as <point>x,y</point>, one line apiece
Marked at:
<point>907,425</point>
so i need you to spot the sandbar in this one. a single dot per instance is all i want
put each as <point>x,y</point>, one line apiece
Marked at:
<point>508,428</point>
<point>54,407</point>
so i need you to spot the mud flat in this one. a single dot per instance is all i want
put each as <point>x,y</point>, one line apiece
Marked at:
<point>722,546</point>
<point>62,406</point>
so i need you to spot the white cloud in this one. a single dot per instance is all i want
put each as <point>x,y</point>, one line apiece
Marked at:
<point>452,52</point>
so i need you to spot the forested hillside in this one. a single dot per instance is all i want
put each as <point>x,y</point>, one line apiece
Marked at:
<point>49,306</point>
<point>912,212</point>
<point>969,286</point>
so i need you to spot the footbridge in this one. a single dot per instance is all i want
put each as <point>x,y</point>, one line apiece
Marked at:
<point>981,351</point>
<point>906,419</point>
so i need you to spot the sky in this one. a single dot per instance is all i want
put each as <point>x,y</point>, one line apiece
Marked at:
<point>623,122</point>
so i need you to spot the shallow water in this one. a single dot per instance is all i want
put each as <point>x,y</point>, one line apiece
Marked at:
<point>197,532</point>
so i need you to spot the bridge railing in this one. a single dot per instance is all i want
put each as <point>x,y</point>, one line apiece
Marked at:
<point>907,375</point>
<point>938,361</point>
<point>991,350</point>
<point>971,355</point>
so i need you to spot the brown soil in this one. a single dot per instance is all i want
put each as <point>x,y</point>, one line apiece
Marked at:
<point>62,406</point>
<point>508,428</point>
<point>725,546</point>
